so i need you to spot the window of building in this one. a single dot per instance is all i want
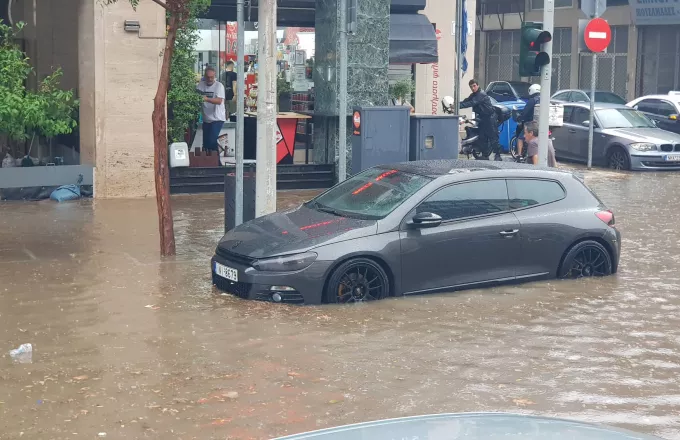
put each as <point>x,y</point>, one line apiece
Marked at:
<point>528,192</point>
<point>538,4</point>
<point>468,199</point>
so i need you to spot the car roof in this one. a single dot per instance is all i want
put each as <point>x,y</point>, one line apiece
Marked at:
<point>598,105</point>
<point>587,92</point>
<point>446,167</point>
<point>675,97</point>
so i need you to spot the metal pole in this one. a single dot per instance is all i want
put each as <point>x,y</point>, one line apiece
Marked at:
<point>240,109</point>
<point>342,94</point>
<point>546,74</point>
<point>265,182</point>
<point>591,118</point>
<point>457,42</point>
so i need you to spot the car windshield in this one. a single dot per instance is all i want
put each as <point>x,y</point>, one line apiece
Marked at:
<point>623,118</point>
<point>372,194</point>
<point>608,98</point>
<point>521,88</point>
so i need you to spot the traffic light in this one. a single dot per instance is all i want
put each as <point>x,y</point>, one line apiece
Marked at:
<point>531,58</point>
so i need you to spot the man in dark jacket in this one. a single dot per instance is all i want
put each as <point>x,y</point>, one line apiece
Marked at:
<point>527,115</point>
<point>487,120</point>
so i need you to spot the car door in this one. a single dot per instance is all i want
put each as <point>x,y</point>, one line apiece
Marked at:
<point>578,134</point>
<point>535,203</point>
<point>476,241</point>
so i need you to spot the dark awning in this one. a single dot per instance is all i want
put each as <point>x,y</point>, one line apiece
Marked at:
<point>412,40</point>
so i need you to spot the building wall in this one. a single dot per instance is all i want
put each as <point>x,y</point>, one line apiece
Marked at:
<point>565,18</point>
<point>434,81</point>
<point>119,73</point>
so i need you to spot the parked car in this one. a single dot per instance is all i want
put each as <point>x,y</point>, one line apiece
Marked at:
<point>473,426</point>
<point>421,227</point>
<point>664,110</point>
<point>584,96</point>
<point>624,139</point>
<point>508,91</point>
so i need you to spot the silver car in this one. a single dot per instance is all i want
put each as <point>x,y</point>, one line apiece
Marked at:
<point>624,139</point>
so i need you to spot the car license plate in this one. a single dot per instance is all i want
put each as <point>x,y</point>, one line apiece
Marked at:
<point>672,158</point>
<point>226,272</point>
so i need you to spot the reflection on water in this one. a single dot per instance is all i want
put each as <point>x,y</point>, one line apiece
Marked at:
<point>136,347</point>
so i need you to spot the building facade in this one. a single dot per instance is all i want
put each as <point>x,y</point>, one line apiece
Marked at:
<point>643,57</point>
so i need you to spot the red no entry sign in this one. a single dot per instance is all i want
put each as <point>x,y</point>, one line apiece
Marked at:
<point>597,35</point>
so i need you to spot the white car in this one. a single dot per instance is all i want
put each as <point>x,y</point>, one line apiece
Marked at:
<point>662,109</point>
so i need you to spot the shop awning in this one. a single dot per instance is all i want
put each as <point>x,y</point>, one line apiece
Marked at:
<point>412,40</point>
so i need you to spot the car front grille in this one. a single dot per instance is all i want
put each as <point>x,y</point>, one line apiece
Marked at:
<point>677,147</point>
<point>286,297</point>
<point>235,258</point>
<point>660,164</point>
<point>666,147</point>
<point>242,290</point>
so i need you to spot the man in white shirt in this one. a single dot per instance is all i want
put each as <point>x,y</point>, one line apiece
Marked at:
<point>214,113</point>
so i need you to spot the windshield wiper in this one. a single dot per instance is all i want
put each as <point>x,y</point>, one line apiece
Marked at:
<point>319,207</point>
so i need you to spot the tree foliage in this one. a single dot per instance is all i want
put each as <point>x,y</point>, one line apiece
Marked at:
<point>48,111</point>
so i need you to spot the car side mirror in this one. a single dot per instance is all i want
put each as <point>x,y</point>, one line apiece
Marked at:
<point>425,220</point>
<point>585,123</point>
<point>673,117</point>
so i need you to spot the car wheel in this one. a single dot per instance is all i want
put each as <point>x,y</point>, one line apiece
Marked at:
<point>617,159</point>
<point>586,259</point>
<point>357,280</point>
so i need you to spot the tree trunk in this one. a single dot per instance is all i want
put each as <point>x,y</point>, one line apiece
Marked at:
<point>160,146</point>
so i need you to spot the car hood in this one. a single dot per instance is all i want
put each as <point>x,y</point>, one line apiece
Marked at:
<point>293,231</point>
<point>651,135</point>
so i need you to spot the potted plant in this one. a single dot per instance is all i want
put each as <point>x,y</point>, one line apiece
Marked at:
<point>402,91</point>
<point>284,90</point>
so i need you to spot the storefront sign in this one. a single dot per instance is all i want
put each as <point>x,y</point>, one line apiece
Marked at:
<point>655,12</point>
<point>230,41</point>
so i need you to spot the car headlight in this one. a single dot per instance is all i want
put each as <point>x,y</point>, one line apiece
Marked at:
<point>643,146</point>
<point>285,263</point>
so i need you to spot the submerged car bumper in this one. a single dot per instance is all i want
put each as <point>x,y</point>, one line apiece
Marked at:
<point>300,287</point>
<point>654,161</point>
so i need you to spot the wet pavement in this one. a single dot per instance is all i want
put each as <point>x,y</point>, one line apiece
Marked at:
<point>130,346</point>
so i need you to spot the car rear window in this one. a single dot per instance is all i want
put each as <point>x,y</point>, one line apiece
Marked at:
<point>525,193</point>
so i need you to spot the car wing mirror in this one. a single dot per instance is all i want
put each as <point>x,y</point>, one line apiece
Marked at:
<point>673,117</point>
<point>425,220</point>
<point>585,123</point>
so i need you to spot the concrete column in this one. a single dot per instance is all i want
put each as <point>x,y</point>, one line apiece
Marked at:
<point>631,80</point>
<point>368,61</point>
<point>118,77</point>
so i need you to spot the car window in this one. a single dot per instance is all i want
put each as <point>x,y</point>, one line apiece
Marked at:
<point>564,96</point>
<point>656,107</point>
<point>579,97</point>
<point>580,115</point>
<point>609,98</point>
<point>568,110</point>
<point>623,118</point>
<point>468,199</point>
<point>524,193</point>
<point>372,194</point>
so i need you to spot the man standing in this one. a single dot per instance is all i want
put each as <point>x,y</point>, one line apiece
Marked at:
<point>230,85</point>
<point>527,116</point>
<point>486,120</point>
<point>214,113</point>
<point>531,137</point>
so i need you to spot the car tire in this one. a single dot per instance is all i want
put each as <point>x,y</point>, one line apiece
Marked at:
<point>357,280</point>
<point>617,159</point>
<point>586,259</point>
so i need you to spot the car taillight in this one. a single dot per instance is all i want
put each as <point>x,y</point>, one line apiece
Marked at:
<point>607,217</point>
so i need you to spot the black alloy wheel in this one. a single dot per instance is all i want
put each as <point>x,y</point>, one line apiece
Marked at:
<point>618,159</point>
<point>586,259</point>
<point>357,280</point>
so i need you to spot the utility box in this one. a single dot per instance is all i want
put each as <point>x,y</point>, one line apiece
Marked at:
<point>380,135</point>
<point>434,137</point>
<point>230,192</point>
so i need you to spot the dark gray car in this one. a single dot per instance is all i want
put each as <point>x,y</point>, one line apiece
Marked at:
<point>623,138</point>
<point>420,227</point>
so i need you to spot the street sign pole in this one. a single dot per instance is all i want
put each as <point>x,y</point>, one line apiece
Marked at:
<point>240,109</point>
<point>546,74</point>
<point>342,94</point>
<point>457,39</point>
<point>593,80</point>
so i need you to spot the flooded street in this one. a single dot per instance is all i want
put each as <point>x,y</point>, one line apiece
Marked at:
<point>131,346</point>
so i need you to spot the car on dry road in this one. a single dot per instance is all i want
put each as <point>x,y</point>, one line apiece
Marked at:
<point>419,227</point>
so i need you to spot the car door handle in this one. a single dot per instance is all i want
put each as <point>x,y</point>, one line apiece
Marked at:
<point>509,233</point>
<point>571,130</point>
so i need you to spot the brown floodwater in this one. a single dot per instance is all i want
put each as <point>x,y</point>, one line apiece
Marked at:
<point>134,346</point>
